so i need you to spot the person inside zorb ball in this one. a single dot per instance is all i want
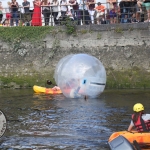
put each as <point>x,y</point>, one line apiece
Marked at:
<point>80,75</point>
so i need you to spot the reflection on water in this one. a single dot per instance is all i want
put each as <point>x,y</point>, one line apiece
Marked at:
<point>39,121</point>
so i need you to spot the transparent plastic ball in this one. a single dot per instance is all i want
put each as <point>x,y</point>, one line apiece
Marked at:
<point>80,75</point>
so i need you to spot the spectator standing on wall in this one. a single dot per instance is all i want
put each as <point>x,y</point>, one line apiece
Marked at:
<point>91,6</point>
<point>83,9</point>
<point>27,15</point>
<point>75,10</point>
<point>136,10</point>
<point>55,10</point>
<point>63,8</point>
<point>36,16</point>
<point>1,12</point>
<point>114,12</point>
<point>46,11</point>
<point>14,12</point>
<point>100,9</point>
<point>8,14</point>
<point>145,3</point>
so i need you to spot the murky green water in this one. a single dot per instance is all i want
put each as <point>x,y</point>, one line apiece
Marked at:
<point>52,122</point>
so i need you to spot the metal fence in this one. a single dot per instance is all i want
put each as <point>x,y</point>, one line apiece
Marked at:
<point>114,13</point>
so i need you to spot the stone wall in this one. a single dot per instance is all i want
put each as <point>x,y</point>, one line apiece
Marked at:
<point>124,50</point>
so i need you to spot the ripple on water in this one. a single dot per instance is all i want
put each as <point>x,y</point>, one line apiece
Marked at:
<point>54,122</point>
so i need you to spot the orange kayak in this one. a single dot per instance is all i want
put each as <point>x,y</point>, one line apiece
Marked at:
<point>143,139</point>
<point>39,89</point>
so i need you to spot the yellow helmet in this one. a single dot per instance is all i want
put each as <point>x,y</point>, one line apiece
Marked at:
<point>138,107</point>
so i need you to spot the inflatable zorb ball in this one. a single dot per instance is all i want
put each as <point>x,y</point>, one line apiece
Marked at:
<point>78,75</point>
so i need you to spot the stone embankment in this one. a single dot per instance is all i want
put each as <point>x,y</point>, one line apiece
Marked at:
<point>123,49</point>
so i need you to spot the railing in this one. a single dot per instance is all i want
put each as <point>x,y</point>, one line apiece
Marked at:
<point>114,13</point>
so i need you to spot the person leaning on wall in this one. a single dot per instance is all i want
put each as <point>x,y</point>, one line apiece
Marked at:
<point>91,6</point>
<point>27,14</point>
<point>100,9</point>
<point>46,11</point>
<point>14,13</point>
<point>55,11</point>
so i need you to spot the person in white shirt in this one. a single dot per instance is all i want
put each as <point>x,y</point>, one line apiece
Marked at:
<point>63,8</point>
<point>55,10</point>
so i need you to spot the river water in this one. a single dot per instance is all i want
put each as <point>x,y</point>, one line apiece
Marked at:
<point>53,122</point>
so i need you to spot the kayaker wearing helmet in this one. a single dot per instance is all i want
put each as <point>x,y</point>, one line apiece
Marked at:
<point>140,120</point>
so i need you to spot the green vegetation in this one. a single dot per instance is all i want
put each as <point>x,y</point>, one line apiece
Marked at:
<point>118,30</point>
<point>99,36</point>
<point>134,78</point>
<point>70,26</point>
<point>26,33</point>
<point>115,79</point>
<point>25,81</point>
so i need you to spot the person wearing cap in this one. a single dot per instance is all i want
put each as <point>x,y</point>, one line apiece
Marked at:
<point>140,120</point>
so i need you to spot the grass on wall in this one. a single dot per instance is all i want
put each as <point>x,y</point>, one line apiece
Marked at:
<point>27,33</point>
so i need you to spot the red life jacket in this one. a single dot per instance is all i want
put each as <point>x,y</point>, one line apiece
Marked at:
<point>141,125</point>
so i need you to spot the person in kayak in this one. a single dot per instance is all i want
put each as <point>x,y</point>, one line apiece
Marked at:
<point>56,88</point>
<point>140,120</point>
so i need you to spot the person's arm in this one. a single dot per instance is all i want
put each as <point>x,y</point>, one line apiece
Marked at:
<point>75,2</point>
<point>69,3</point>
<point>96,9</point>
<point>37,3</point>
<point>17,4</point>
<point>130,127</point>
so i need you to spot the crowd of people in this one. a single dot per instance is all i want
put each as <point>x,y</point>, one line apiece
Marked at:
<point>54,12</point>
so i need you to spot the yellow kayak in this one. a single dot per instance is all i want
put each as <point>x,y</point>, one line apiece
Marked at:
<point>141,138</point>
<point>39,89</point>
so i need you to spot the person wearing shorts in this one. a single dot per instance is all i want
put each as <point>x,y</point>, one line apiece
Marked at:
<point>113,12</point>
<point>146,4</point>
<point>113,16</point>
<point>100,9</point>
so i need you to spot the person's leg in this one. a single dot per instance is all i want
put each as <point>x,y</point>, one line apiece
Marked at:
<point>48,17</point>
<point>63,13</point>
<point>45,17</point>
<point>92,16</point>
<point>77,16</point>
<point>97,17</point>
<point>55,16</point>
<point>16,17</point>
<point>12,19</point>
<point>87,17</point>
<point>1,16</point>
<point>28,17</point>
<point>81,15</point>
<point>122,17</point>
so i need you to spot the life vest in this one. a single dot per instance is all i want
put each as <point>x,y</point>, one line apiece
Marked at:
<point>141,125</point>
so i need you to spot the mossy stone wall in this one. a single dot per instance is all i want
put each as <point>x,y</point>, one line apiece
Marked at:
<point>28,55</point>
